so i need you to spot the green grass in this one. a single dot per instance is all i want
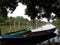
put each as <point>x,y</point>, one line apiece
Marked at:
<point>6,29</point>
<point>11,28</point>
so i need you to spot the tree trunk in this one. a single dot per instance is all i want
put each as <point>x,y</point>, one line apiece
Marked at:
<point>14,26</point>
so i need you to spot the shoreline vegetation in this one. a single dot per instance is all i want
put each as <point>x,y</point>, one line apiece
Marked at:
<point>17,24</point>
<point>20,23</point>
<point>13,28</point>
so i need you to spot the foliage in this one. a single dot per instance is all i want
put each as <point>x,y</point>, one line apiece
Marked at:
<point>11,4</point>
<point>2,19</point>
<point>13,24</point>
<point>21,21</point>
<point>33,7</point>
<point>57,23</point>
<point>4,5</point>
<point>3,13</point>
<point>48,5</point>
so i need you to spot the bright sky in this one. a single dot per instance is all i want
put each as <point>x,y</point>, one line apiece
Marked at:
<point>19,11</point>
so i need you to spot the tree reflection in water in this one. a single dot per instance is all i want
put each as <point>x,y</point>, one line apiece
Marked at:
<point>53,41</point>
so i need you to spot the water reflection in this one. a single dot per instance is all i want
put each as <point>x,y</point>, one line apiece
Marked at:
<point>52,41</point>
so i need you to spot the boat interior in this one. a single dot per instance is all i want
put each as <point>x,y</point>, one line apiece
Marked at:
<point>33,33</point>
<point>29,33</point>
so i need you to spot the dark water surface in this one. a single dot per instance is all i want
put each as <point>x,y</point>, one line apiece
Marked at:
<point>52,41</point>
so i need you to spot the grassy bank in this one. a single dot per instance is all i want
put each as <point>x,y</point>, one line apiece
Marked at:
<point>12,28</point>
<point>6,29</point>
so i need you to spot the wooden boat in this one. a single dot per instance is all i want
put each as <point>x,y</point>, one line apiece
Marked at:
<point>28,34</point>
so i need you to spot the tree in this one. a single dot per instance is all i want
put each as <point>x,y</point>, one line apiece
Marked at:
<point>5,4</point>
<point>3,13</point>
<point>2,19</point>
<point>48,5</point>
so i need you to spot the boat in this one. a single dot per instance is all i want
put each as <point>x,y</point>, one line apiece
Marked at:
<point>25,34</point>
<point>28,37</point>
<point>47,27</point>
<point>31,40</point>
<point>31,32</point>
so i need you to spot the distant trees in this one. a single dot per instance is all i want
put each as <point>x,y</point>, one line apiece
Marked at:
<point>17,21</point>
<point>21,20</point>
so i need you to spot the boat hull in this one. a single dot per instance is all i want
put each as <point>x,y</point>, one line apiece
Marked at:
<point>29,40</point>
<point>51,30</point>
